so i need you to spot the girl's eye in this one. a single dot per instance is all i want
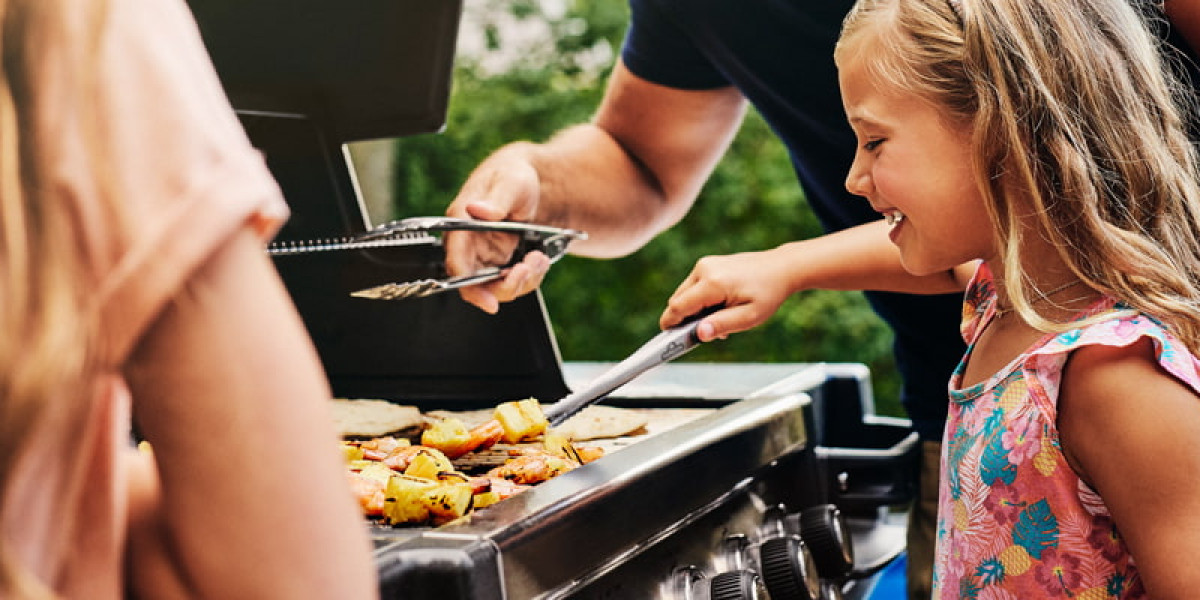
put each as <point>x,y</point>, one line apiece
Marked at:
<point>872,144</point>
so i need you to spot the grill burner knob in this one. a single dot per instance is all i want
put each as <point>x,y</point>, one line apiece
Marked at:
<point>788,569</point>
<point>737,585</point>
<point>824,532</point>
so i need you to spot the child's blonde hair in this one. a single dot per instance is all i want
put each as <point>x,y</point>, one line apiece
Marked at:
<point>1078,135</point>
<point>48,324</point>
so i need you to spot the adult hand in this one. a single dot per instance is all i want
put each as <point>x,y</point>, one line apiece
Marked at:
<point>505,187</point>
<point>751,285</point>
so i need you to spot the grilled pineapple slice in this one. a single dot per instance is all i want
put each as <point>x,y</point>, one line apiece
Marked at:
<point>352,452</point>
<point>561,446</point>
<point>521,419</point>
<point>448,435</point>
<point>402,499</point>
<point>448,501</point>
<point>410,499</point>
<point>427,463</point>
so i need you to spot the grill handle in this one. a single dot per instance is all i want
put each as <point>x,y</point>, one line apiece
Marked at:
<point>662,348</point>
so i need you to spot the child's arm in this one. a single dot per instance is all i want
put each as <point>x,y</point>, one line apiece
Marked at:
<point>247,495</point>
<point>1133,432</point>
<point>752,285</point>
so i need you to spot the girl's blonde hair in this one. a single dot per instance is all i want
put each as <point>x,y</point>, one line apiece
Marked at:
<point>1079,136</point>
<point>49,326</point>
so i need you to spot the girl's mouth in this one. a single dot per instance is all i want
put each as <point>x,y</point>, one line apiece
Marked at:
<point>894,218</point>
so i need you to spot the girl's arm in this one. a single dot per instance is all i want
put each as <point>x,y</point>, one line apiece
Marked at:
<point>752,285</point>
<point>1133,432</point>
<point>247,496</point>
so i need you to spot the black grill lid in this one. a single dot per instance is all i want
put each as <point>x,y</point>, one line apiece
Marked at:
<point>366,68</point>
<point>307,76</point>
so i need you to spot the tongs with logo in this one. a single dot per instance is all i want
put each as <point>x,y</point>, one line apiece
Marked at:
<point>551,241</point>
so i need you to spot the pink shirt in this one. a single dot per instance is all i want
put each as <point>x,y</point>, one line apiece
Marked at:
<point>1014,519</point>
<point>182,165</point>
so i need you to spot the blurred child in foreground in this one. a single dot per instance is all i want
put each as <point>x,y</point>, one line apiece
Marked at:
<point>134,286</point>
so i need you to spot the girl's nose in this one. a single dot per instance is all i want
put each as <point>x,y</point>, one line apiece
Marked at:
<point>858,180</point>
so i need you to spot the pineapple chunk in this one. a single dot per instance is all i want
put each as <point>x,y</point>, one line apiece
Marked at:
<point>448,501</point>
<point>352,452</point>
<point>559,445</point>
<point>448,435</point>
<point>415,500</point>
<point>377,471</point>
<point>485,499</point>
<point>521,419</point>
<point>427,463</point>
<point>402,500</point>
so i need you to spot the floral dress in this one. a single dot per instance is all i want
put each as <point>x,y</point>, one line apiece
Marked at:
<point>1014,520</point>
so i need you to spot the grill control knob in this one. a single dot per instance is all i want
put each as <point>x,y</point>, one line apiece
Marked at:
<point>788,569</point>
<point>823,529</point>
<point>737,585</point>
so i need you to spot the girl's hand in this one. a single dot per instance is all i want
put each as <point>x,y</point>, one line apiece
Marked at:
<point>751,285</point>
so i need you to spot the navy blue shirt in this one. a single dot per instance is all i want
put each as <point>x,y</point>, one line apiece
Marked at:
<point>779,53</point>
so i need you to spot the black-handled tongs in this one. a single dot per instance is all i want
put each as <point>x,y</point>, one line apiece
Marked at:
<point>662,348</point>
<point>551,241</point>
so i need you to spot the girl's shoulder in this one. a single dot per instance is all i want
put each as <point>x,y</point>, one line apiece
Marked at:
<point>1114,325</point>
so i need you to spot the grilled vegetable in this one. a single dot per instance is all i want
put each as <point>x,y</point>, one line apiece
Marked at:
<point>410,499</point>
<point>559,445</point>
<point>402,499</point>
<point>427,463</point>
<point>448,435</point>
<point>521,419</point>
<point>453,438</point>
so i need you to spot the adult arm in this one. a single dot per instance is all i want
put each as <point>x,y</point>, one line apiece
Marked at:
<point>1130,430</point>
<point>250,498</point>
<point>631,173</point>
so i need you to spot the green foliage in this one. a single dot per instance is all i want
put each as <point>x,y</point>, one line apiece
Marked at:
<point>602,310</point>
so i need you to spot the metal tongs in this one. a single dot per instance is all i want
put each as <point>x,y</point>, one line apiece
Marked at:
<point>551,241</point>
<point>662,348</point>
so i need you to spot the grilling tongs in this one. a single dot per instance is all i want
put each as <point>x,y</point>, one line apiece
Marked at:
<point>551,241</point>
<point>662,348</point>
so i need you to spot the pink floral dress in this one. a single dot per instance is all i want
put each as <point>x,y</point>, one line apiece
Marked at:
<point>1014,520</point>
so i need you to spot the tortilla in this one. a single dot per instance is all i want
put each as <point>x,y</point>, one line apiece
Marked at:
<point>598,421</point>
<point>592,423</point>
<point>374,418</point>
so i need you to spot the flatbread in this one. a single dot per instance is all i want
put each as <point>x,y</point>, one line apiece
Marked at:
<point>373,418</point>
<point>592,423</point>
<point>598,421</point>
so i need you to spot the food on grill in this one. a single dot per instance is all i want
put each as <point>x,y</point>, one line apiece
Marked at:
<point>598,422</point>
<point>399,482</point>
<point>521,419</point>
<point>453,438</point>
<point>411,499</point>
<point>372,418</point>
<point>534,467</point>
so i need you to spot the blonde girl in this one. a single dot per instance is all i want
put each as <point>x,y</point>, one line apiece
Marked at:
<point>133,287</point>
<point>1033,152</point>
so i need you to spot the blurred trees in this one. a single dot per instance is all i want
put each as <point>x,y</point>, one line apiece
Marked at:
<point>526,69</point>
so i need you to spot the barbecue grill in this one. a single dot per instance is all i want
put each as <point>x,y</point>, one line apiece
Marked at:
<point>778,485</point>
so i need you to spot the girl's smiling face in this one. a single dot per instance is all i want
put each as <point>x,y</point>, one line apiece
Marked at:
<point>914,167</point>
